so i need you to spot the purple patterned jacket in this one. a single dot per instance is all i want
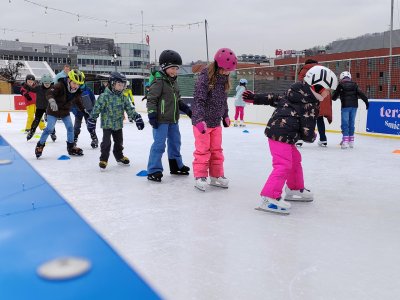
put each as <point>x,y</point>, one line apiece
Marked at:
<point>210,106</point>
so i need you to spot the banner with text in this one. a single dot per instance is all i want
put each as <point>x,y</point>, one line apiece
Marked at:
<point>384,117</point>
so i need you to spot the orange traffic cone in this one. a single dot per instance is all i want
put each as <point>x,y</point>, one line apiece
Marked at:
<point>9,118</point>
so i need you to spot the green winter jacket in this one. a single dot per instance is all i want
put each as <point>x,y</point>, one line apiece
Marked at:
<point>111,107</point>
<point>164,98</point>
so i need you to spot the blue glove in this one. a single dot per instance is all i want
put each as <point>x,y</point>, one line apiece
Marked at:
<point>91,125</point>
<point>153,119</point>
<point>139,122</point>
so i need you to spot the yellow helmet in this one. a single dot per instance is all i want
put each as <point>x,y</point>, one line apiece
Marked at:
<point>76,76</point>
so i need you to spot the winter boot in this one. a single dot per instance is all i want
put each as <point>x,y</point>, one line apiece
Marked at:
<point>274,205</point>
<point>351,141</point>
<point>53,136</point>
<point>345,142</point>
<point>201,183</point>
<point>302,195</point>
<point>222,182</point>
<point>102,165</point>
<point>156,176</point>
<point>242,124</point>
<point>30,135</point>
<point>322,143</point>
<point>95,141</point>
<point>39,149</point>
<point>124,161</point>
<point>175,170</point>
<point>74,150</point>
<point>235,124</point>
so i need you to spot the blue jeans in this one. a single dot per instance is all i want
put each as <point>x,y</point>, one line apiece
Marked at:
<point>348,118</point>
<point>160,135</point>
<point>51,123</point>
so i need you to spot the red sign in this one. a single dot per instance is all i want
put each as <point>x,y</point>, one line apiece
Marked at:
<point>147,39</point>
<point>19,103</point>
<point>278,52</point>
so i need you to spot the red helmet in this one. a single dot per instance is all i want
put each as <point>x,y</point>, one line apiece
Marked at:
<point>226,59</point>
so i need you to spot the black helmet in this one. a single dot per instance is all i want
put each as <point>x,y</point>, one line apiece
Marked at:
<point>169,58</point>
<point>29,77</point>
<point>116,77</point>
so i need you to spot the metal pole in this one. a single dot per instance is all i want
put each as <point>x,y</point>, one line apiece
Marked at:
<point>390,50</point>
<point>205,25</point>
<point>141,54</point>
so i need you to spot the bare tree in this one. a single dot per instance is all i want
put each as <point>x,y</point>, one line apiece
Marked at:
<point>11,71</point>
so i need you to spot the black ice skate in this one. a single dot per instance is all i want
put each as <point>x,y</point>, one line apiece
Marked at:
<point>173,167</point>
<point>39,149</point>
<point>95,141</point>
<point>156,176</point>
<point>74,150</point>
<point>124,161</point>
<point>53,136</point>
<point>30,135</point>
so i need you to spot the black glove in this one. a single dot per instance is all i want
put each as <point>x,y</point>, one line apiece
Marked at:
<point>185,108</point>
<point>28,97</point>
<point>91,125</point>
<point>367,105</point>
<point>153,119</point>
<point>248,96</point>
<point>139,122</point>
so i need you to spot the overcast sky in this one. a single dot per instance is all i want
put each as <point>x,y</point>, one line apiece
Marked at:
<point>247,26</point>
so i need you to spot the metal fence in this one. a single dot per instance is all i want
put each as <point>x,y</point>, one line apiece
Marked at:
<point>376,77</point>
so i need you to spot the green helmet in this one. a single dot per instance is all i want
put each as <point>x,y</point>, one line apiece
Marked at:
<point>46,78</point>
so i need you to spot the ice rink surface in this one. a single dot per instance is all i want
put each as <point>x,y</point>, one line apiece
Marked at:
<point>190,244</point>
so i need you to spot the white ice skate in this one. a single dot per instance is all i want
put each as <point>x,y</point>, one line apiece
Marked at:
<point>274,205</point>
<point>351,141</point>
<point>322,143</point>
<point>242,124</point>
<point>303,195</point>
<point>201,183</point>
<point>222,182</point>
<point>235,124</point>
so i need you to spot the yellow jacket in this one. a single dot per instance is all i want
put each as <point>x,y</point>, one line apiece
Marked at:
<point>128,93</point>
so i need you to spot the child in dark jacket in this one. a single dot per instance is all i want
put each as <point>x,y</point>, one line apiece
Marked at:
<point>349,92</point>
<point>210,107</point>
<point>293,119</point>
<point>163,105</point>
<point>41,106</point>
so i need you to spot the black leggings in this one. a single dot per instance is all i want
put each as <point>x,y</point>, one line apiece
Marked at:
<point>38,116</point>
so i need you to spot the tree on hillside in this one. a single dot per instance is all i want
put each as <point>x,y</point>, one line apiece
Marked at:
<point>11,71</point>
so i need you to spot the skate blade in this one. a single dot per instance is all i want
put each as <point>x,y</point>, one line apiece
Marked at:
<point>219,185</point>
<point>298,199</point>
<point>102,170</point>
<point>179,173</point>
<point>274,211</point>
<point>203,189</point>
<point>122,164</point>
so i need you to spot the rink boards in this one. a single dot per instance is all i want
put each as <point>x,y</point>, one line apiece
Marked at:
<point>36,226</point>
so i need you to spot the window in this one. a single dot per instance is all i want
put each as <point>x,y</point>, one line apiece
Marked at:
<point>380,74</point>
<point>382,61</point>
<point>394,88</point>
<point>369,75</point>
<point>137,53</point>
<point>380,88</point>
<point>357,75</point>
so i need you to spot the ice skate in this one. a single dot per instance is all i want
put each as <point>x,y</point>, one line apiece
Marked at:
<point>30,135</point>
<point>39,149</point>
<point>302,195</point>
<point>156,176</point>
<point>222,182</point>
<point>53,136</point>
<point>74,150</point>
<point>103,165</point>
<point>351,141</point>
<point>235,124</point>
<point>278,206</point>
<point>175,170</point>
<point>95,142</point>
<point>322,143</point>
<point>124,161</point>
<point>242,124</point>
<point>201,183</point>
<point>299,144</point>
<point>76,139</point>
<point>344,144</point>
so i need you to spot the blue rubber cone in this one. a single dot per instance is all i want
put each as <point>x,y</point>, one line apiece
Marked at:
<point>245,131</point>
<point>64,157</point>
<point>142,173</point>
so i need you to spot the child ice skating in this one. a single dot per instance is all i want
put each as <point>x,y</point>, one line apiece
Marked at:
<point>349,92</point>
<point>210,107</point>
<point>239,103</point>
<point>111,105</point>
<point>294,118</point>
<point>163,105</point>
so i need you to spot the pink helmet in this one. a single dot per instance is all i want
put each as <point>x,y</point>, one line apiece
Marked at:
<point>226,59</point>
